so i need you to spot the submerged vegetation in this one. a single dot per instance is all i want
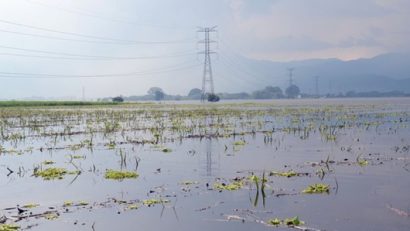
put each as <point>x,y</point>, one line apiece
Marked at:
<point>119,175</point>
<point>53,173</point>
<point>9,227</point>
<point>220,147</point>
<point>317,188</point>
<point>230,187</point>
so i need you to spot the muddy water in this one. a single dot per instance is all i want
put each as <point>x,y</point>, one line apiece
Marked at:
<point>373,195</point>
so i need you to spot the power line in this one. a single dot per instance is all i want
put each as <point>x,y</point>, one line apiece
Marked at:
<point>88,13</point>
<point>234,68</point>
<point>87,57</point>
<point>97,42</point>
<point>17,75</point>
<point>239,63</point>
<point>72,33</point>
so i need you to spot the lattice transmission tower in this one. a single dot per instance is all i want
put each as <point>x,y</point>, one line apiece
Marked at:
<point>207,78</point>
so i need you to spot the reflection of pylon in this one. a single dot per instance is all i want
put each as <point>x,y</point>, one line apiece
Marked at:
<point>207,79</point>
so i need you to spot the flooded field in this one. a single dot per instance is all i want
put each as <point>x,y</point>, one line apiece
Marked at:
<point>263,165</point>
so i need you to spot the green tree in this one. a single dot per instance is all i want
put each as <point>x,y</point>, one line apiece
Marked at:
<point>292,91</point>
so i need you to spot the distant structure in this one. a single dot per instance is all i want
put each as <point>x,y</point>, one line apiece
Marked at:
<point>292,91</point>
<point>291,75</point>
<point>207,78</point>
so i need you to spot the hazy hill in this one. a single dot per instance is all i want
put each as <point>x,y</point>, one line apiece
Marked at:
<point>386,72</point>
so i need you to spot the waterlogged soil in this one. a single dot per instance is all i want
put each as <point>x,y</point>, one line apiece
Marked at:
<point>226,166</point>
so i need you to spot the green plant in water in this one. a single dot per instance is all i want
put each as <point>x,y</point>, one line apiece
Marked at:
<point>166,150</point>
<point>151,202</point>
<point>361,162</point>
<point>9,227</point>
<point>82,203</point>
<point>275,221</point>
<point>293,221</point>
<point>188,182</point>
<point>132,207</point>
<point>239,143</point>
<point>317,188</point>
<point>53,173</point>
<point>119,175</point>
<point>290,173</point>
<point>78,157</point>
<point>48,162</point>
<point>51,216</point>
<point>30,206</point>
<point>67,203</point>
<point>229,187</point>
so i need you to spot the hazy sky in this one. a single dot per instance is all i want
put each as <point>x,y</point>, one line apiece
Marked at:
<point>144,43</point>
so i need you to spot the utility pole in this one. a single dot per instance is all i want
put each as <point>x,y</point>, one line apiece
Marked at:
<point>207,78</point>
<point>317,86</point>
<point>291,76</point>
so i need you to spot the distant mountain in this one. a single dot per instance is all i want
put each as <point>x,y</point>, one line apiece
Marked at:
<point>388,72</point>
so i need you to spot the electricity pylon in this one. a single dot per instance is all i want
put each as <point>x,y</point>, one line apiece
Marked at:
<point>207,78</point>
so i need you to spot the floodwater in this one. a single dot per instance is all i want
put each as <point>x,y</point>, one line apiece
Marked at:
<point>360,148</point>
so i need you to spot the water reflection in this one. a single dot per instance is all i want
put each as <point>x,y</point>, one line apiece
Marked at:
<point>211,165</point>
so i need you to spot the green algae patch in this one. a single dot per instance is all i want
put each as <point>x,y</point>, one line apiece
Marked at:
<point>317,188</point>
<point>119,175</point>
<point>229,187</point>
<point>9,227</point>
<point>151,202</point>
<point>53,173</point>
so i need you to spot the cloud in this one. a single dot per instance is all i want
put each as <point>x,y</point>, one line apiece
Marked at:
<point>321,25</point>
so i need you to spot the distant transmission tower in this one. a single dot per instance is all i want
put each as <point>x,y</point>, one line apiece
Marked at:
<point>207,78</point>
<point>291,76</point>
